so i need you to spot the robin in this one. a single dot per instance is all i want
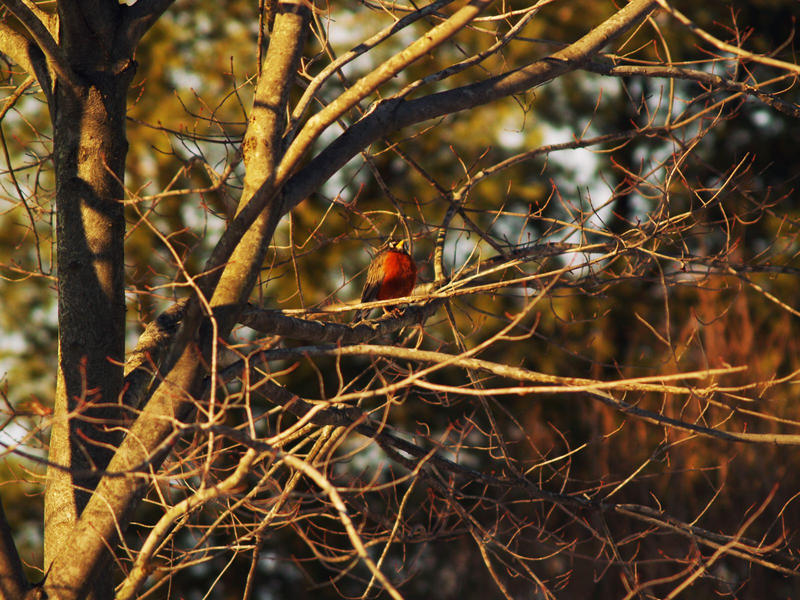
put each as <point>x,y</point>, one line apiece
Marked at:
<point>391,274</point>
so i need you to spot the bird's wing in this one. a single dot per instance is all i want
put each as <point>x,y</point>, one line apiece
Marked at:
<point>373,283</point>
<point>371,286</point>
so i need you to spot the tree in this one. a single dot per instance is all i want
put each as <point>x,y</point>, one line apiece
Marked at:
<point>239,428</point>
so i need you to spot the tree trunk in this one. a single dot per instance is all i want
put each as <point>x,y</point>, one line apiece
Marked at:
<point>89,153</point>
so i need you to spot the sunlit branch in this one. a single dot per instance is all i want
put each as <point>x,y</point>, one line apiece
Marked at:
<point>44,40</point>
<point>725,47</point>
<point>393,114</point>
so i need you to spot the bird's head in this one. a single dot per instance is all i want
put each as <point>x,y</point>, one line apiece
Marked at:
<point>397,246</point>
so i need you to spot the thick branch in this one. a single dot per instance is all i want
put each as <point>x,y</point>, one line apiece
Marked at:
<point>15,45</point>
<point>273,322</point>
<point>27,56</point>
<point>138,19</point>
<point>369,83</point>
<point>41,35</point>
<point>144,362</point>
<point>393,114</point>
<point>261,149</point>
<point>111,506</point>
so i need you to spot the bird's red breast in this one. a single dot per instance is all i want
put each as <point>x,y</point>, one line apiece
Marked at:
<point>391,274</point>
<point>399,275</point>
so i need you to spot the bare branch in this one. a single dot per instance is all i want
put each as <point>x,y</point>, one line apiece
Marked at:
<point>315,84</point>
<point>615,257</point>
<point>369,83</point>
<point>725,47</point>
<point>710,79</point>
<point>594,389</point>
<point>393,114</point>
<point>141,569</point>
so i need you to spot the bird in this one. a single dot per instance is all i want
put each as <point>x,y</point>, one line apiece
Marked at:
<point>391,274</point>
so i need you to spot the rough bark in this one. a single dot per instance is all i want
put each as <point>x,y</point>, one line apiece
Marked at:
<point>89,149</point>
<point>82,58</point>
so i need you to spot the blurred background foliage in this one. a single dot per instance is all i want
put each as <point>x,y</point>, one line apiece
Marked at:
<point>187,113</point>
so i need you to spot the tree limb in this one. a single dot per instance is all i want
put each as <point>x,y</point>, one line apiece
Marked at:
<point>144,362</point>
<point>138,19</point>
<point>394,114</point>
<point>365,46</point>
<point>370,82</point>
<point>41,35</point>
<point>273,322</point>
<point>725,47</point>
<point>593,388</point>
<point>15,45</point>
<point>247,236</point>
